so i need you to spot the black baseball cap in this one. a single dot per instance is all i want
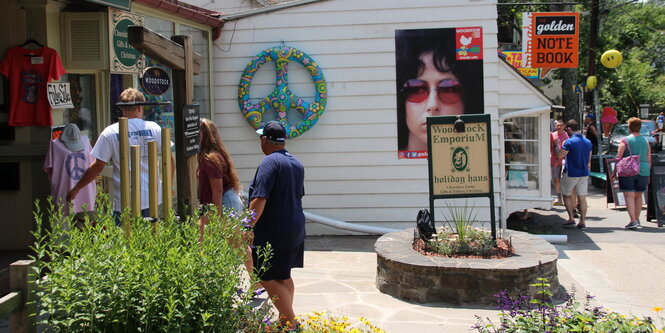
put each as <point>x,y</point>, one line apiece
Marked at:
<point>273,130</point>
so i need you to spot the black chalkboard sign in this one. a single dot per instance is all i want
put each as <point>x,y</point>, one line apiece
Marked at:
<point>191,133</point>
<point>658,193</point>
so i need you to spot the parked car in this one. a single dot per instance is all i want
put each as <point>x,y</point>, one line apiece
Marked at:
<point>648,130</point>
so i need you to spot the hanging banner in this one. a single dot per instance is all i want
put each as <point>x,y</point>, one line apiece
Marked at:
<point>125,59</point>
<point>514,58</point>
<point>439,72</point>
<point>550,40</point>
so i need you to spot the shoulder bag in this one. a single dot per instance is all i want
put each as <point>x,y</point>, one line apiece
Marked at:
<point>628,166</point>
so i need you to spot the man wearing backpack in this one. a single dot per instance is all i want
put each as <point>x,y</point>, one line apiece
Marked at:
<point>575,178</point>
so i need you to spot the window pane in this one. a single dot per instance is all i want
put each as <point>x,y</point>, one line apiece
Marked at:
<point>162,27</point>
<point>522,177</point>
<point>521,152</point>
<point>82,88</point>
<point>201,92</point>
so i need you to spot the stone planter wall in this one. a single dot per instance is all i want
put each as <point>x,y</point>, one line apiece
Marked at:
<point>406,274</point>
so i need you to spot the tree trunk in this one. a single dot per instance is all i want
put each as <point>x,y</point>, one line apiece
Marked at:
<point>570,99</point>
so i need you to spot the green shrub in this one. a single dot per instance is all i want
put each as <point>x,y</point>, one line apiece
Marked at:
<point>537,314</point>
<point>158,279</point>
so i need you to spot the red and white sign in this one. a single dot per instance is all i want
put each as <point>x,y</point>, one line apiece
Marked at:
<point>469,43</point>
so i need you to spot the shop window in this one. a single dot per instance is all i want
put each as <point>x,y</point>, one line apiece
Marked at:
<point>83,114</point>
<point>521,149</point>
<point>201,81</point>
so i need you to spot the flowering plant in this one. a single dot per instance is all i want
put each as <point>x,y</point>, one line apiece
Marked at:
<point>520,313</point>
<point>319,322</point>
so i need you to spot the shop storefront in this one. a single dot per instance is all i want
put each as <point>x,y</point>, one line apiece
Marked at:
<point>90,40</point>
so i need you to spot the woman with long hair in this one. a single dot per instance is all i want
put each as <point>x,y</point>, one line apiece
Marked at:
<point>633,187</point>
<point>218,180</point>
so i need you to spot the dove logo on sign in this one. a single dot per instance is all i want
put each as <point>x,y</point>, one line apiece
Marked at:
<point>469,43</point>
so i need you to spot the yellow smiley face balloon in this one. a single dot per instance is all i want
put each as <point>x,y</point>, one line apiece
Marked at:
<point>611,58</point>
<point>591,82</point>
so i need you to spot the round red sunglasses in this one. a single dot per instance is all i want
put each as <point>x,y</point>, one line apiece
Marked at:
<point>449,91</point>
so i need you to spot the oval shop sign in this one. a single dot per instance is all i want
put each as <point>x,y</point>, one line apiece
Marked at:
<point>155,81</point>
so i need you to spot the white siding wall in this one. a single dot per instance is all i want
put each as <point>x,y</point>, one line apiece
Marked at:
<point>350,157</point>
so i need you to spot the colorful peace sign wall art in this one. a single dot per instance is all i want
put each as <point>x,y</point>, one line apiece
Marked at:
<point>282,99</point>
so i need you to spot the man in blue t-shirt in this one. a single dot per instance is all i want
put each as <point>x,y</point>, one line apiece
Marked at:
<point>275,196</point>
<point>575,178</point>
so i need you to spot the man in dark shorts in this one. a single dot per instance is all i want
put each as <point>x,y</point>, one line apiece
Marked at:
<point>275,196</point>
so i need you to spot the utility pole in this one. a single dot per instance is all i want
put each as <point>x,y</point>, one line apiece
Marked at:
<point>591,51</point>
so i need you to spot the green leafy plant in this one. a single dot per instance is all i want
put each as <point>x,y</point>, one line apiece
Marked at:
<point>477,242</point>
<point>156,278</point>
<point>462,217</point>
<point>538,313</point>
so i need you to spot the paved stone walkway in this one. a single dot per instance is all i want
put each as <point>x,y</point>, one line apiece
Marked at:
<point>624,270</point>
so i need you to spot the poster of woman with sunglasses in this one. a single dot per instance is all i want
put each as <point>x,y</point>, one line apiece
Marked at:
<point>439,72</point>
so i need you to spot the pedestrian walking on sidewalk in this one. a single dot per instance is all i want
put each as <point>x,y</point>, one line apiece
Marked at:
<point>575,178</point>
<point>275,196</point>
<point>633,187</point>
<point>559,135</point>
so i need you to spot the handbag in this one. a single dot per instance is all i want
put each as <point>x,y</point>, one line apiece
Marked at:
<point>628,166</point>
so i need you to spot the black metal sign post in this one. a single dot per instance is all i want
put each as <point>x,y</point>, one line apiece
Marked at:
<point>453,142</point>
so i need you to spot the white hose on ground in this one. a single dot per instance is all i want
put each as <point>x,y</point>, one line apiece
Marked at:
<point>555,239</point>
<point>337,224</point>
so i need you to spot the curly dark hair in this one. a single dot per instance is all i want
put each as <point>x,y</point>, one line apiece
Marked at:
<point>410,45</point>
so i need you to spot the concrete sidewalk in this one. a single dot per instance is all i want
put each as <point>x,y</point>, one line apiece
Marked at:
<point>624,270</point>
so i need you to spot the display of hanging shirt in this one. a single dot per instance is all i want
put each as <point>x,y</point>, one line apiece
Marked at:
<point>67,160</point>
<point>28,72</point>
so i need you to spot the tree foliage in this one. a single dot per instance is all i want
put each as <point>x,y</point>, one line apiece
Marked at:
<point>635,28</point>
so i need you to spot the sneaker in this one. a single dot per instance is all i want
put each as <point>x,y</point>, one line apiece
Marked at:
<point>569,224</point>
<point>581,226</point>
<point>557,203</point>
<point>639,226</point>
<point>632,225</point>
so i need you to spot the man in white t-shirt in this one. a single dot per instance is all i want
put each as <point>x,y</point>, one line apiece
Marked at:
<point>107,148</point>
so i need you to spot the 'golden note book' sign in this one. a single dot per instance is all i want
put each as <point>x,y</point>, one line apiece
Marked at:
<point>460,162</point>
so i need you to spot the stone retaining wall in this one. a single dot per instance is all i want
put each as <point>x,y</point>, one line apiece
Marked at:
<point>406,274</point>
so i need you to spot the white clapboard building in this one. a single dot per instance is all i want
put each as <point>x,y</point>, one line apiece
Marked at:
<point>353,173</point>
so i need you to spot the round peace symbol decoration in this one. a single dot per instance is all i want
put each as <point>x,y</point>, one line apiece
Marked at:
<point>282,99</point>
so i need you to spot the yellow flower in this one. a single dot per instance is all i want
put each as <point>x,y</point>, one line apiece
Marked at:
<point>657,331</point>
<point>657,309</point>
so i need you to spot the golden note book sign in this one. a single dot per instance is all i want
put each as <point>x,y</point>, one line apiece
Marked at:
<point>124,57</point>
<point>460,163</point>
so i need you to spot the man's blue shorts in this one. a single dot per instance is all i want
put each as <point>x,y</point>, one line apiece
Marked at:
<point>280,264</point>
<point>633,183</point>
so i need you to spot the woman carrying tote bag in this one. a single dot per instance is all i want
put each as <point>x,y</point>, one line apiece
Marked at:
<point>633,187</point>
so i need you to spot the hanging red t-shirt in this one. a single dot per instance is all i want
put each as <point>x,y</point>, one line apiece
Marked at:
<point>28,72</point>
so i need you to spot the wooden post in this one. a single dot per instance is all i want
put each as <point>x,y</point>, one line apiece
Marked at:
<point>136,181</point>
<point>152,179</point>
<point>124,171</point>
<point>167,180</point>
<point>21,278</point>
<point>183,94</point>
<point>185,63</point>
